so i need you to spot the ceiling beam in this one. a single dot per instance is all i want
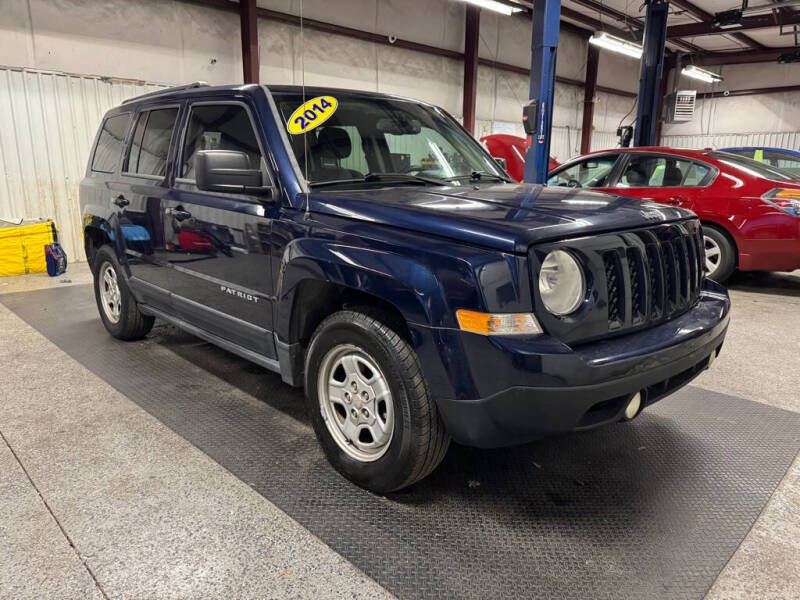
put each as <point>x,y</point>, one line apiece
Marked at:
<point>740,57</point>
<point>708,17</point>
<point>632,22</point>
<point>749,22</point>
<point>748,92</point>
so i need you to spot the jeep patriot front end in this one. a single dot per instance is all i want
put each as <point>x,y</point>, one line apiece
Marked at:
<point>365,247</point>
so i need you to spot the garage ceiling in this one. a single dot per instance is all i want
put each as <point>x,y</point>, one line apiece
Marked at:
<point>691,26</point>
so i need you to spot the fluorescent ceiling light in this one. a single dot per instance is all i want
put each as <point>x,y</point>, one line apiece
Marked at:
<point>615,44</point>
<point>495,6</point>
<point>701,74</point>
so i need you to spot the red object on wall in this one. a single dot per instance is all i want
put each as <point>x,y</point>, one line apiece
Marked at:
<point>512,149</point>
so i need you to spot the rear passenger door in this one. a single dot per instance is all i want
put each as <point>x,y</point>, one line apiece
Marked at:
<point>218,243</point>
<point>140,194</point>
<point>668,179</point>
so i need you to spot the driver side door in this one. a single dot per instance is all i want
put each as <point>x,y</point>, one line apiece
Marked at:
<point>595,172</point>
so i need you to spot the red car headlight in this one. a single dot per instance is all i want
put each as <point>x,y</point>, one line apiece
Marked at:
<point>788,200</point>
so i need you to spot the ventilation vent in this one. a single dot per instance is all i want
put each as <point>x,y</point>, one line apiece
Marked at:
<point>680,106</point>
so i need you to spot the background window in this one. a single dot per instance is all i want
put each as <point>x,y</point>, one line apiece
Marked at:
<point>660,171</point>
<point>219,127</point>
<point>109,144</point>
<point>592,172</point>
<point>150,146</point>
<point>697,173</point>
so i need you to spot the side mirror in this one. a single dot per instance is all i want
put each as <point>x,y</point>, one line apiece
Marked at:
<point>228,171</point>
<point>502,162</point>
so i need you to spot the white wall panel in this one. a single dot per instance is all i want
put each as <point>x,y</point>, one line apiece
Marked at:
<point>47,125</point>
<point>786,139</point>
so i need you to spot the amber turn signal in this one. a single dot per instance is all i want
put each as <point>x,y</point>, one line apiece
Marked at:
<point>497,323</point>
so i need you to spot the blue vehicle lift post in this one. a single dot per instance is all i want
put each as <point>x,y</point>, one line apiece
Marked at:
<point>651,72</point>
<point>544,47</point>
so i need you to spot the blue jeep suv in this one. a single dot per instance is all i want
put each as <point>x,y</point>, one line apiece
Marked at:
<point>367,248</point>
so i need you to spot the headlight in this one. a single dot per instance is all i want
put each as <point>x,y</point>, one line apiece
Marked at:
<point>561,283</point>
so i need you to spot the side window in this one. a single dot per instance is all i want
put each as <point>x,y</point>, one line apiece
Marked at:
<point>109,144</point>
<point>782,161</point>
<point>659,171</point>
<point>696,174</point>
<point>218,127</point>
<point>150,146</point>
<point>592,172</point>
<point>745,153</point>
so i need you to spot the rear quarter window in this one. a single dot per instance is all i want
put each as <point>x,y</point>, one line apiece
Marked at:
<point>108,150</point>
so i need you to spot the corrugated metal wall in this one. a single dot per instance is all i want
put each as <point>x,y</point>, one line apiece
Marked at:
<point>790,139</point>
<point>48,121</point>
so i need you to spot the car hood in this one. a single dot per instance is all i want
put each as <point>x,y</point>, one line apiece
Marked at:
<point>507,217</point>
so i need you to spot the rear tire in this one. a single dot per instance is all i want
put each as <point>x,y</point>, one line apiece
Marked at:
<point>720,254</point>
<point>369,404</point>
<point>115,302</point>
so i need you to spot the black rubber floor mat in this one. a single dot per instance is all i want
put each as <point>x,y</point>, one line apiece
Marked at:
<point>649,509</point>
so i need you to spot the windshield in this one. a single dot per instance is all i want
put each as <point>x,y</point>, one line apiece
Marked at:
<point>753,167</point>
<point>357,141</point>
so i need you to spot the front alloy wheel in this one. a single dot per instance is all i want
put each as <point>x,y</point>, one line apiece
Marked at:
<point>356,403</point>
<point>369,403</point>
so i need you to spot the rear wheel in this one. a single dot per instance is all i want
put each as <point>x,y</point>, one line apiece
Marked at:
<point>720,254</point>
<point>369,404</point>
<point>118,309</point>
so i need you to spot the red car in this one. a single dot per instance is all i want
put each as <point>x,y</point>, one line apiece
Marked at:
<point>750,211</point>
<point>512,149</point>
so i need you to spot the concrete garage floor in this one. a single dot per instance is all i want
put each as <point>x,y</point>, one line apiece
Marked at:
<point>100,500</point>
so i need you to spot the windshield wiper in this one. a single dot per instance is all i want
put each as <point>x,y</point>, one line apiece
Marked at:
<point>372,177</point>
<point>402,176</point>
<point>477,176</point>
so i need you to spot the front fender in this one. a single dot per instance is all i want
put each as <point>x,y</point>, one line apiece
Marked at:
<point>409,286</point>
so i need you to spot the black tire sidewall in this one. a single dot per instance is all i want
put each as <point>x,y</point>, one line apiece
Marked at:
<point>393,468</point>
<point>727,262</point>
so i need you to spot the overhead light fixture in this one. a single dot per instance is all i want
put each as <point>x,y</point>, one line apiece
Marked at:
<point>701,74</point>
<point>500,7</point>
<point>616,44</point>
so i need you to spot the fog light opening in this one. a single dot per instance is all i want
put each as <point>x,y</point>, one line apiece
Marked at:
<point>633,407</point>
<point>712,357</point>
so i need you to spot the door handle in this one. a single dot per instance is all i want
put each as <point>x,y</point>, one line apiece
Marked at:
<point>121,201</point>
<point>179,213</point>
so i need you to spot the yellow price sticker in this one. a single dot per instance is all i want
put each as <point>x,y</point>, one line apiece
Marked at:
<point>312,114</point>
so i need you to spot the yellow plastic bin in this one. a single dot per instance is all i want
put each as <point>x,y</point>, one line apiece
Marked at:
<point>22,247</point>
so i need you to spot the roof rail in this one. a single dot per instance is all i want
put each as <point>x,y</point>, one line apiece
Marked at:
<point>171,90</point>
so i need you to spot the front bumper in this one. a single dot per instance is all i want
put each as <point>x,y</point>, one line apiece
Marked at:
<point>532,387</point>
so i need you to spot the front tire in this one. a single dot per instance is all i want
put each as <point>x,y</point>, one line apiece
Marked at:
<point>117,306</point>
<point>720,254</point>
<point>369,404</point>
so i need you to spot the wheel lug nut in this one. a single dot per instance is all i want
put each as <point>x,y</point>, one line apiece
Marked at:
<point>354,386</point>
<point>365,412</point>
<point>347,397</point>
<point>365,396</point>
<point>354,413</point>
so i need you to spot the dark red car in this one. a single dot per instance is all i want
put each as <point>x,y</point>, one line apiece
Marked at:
<point>750,211</point>
<point>512,149</point>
